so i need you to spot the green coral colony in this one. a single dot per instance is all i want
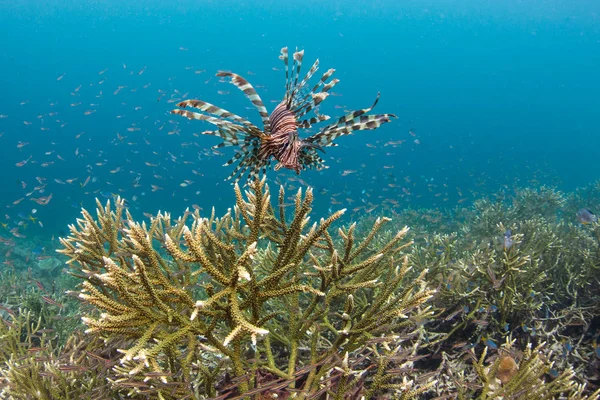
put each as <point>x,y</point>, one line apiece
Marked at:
<point>498,300</point>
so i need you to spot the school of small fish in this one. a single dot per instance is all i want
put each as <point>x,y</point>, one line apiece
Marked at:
<point>57,155</point>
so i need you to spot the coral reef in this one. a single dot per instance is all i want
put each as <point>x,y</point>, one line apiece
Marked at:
<point>497,300</point>
<point>248,294</point>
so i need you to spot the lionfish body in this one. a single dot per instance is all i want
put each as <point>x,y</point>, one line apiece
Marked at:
<point>279,140</point>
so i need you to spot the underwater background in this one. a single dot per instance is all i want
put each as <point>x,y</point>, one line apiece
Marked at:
<point>498,94</point>
<point>496,101</point>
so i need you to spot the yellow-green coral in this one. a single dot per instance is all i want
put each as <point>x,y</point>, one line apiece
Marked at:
<point>33,367</point>
<point>531,380</point>
<point>178,307</point>
<point>244,293</point>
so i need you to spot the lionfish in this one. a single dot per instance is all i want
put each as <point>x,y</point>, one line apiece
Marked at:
<point>279,139</point>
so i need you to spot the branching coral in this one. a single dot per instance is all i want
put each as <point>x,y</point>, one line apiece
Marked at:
<point>247,294</point>
<point>33,367</point>
<point>529,379</point>
<point>520,266</point>
<point>260,303</point>
<point>509,373</point>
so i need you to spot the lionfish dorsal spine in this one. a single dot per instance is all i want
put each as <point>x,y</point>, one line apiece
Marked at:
<point>295,96</point>
<point>284,56</point>
<point>298,57</point>
<point>312,99</point>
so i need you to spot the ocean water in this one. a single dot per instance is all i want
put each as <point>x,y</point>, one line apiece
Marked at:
<point>488,94</point>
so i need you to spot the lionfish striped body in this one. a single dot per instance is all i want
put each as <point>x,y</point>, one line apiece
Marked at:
<point>279,140</point>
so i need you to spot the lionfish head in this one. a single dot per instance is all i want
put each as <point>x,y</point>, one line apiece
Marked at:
<point>288,153</point>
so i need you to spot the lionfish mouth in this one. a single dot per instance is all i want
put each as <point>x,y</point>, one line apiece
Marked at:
<point>278,140</point>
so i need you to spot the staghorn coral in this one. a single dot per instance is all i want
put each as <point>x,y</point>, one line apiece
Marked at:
<point>470,267</point>
<point>541,287</point>
<point>509,373</point>
<point>33,366</point>
<point>250,302</point>
<point>543,201</point>
<point>526,203</point>
<point>529,379</point>
<point>485,290</point>
<point>425,352</point>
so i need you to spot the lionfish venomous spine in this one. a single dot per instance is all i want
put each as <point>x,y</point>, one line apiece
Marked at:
<point>279,138</point>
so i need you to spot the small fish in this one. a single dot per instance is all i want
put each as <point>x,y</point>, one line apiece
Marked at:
<point>68,368</point>
<point>585,216</point>
<point>157,374</point>
<point>596,347</point>
<point>87,180</point>
<point>35,349</point>
<point>489,342</point>
<point>8,310</point>
<point>40,286</point>
<point>22,163</point>
<point>51,302</point>
<point>42,200</point>
<point>508,242</point>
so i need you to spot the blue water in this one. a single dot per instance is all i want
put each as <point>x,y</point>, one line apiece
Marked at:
<point>498,94</point>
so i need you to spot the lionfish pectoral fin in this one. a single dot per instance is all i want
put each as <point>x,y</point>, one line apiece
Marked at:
<point>315,146</point>
<point>375,102</point>
<point>353,121</point>
<point>250,93</point>
<point>217,112</point>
